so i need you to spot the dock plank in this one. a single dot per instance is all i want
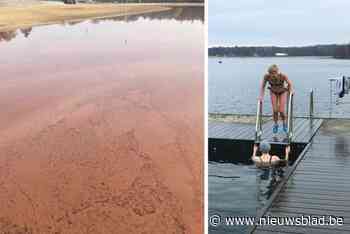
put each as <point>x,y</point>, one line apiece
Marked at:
<point>319,185</point>
<point>294,199</point>
<point>301,205</point>
<point>304,130</point>
<point>301,230</point>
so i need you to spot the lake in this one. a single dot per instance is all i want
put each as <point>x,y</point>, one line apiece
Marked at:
<point>238,190</point>
<point>233,85</point>
<point>101,125</point>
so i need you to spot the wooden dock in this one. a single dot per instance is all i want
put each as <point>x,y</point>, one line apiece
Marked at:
<point>304,130</point>
<point>226,139</point>
<point>317,185</point>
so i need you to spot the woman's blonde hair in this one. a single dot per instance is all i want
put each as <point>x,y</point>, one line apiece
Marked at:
<point>272,68</point>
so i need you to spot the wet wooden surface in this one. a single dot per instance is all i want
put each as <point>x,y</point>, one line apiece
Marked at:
<point>304,129</point>
<point>318,186</point>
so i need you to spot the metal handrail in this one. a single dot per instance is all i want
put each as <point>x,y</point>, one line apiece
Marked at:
<point>258,124</point>
<point>311,104</point>
<point>290,117</point>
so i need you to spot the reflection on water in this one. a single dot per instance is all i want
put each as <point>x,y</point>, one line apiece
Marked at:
<point>272,177</point>
<point>183,14</point>
<point>176,13</point>
<point>9,35</point>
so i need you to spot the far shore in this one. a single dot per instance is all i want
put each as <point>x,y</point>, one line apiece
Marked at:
<point>22,16</point>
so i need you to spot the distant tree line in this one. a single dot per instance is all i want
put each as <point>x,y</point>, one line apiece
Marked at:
<point>342,52</point>
<point>70,1</point>
<point>334,50</point>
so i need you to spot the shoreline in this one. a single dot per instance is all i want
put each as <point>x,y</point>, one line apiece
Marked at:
<point>16,17</point>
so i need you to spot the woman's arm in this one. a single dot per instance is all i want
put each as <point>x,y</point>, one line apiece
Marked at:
<point>290,85</point>
<point>254,157</point>
<point>275,158</point>
<point>262,88</point>
<point>287,152</point>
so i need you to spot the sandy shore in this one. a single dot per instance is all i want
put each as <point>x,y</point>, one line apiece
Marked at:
<point>17,16</point>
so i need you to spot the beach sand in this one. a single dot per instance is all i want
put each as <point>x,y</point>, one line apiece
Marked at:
<point>26,15</point>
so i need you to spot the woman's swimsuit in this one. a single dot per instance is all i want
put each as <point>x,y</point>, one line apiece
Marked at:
<point>279,163</point>
<point>276,83</point>
<point>265,164</point>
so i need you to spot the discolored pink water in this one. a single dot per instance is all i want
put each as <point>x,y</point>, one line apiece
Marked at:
<point>101,128</point>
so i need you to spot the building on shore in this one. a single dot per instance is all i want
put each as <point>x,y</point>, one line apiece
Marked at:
<point>70,1</point>
<point>281,54</point>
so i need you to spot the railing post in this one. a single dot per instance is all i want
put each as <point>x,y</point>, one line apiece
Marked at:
<point>260,123</point>
<point>330,98</point>
<point>311,104</point>
<point>290,117</point>
<point>288,103</point>
<point>258,128</point>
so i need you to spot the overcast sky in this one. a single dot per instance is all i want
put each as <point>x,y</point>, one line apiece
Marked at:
<point>278,22</point>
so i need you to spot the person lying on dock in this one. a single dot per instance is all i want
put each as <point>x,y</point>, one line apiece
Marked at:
<point>267,160</point>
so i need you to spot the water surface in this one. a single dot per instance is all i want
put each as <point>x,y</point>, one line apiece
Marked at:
<point>234,84</point>
<point>238,190</point>
<point>97,119</point>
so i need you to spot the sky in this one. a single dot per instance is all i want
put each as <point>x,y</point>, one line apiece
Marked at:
<point>278,22</point>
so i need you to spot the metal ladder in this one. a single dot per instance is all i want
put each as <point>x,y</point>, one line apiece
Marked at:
<point>258,123</point>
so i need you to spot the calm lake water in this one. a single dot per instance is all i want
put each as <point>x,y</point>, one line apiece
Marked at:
<point>238,190</point>
<point>234,84</point>
<point>138,37</point>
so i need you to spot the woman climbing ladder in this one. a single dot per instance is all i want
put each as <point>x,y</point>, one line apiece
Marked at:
<point>278,92</point>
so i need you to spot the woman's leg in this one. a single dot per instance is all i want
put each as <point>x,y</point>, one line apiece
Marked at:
<point>282,99</point>
<point>274,106</point>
